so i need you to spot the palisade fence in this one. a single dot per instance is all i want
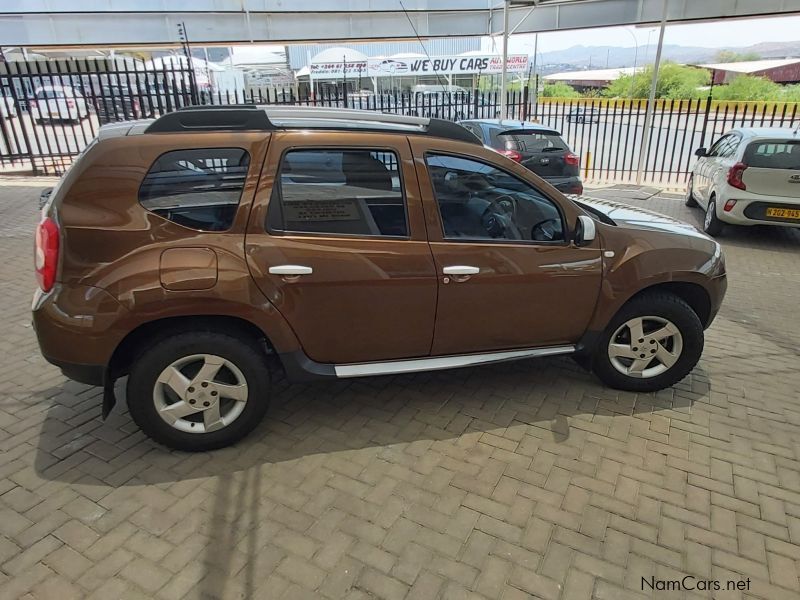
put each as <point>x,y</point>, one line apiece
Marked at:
<point>52,109</point>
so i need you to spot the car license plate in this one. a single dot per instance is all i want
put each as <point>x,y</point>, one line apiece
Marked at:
<point>783,213</point>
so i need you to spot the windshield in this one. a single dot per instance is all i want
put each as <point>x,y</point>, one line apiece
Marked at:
<point>773,154</point>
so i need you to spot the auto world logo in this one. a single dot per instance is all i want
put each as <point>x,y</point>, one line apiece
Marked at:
<point>794,179</point>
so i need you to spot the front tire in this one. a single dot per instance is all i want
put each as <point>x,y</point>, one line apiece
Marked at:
<point>690,201</point>
<point>653,342</point>
<point>711,223</point>
<point>199,391</point>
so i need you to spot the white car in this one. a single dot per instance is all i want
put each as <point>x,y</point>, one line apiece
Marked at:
<point>749,176</point>
<point>58,102</point>
<point>7,107</point>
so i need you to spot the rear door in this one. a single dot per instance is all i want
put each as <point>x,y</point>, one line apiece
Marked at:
<point>541,151</point>
<point>773,167</point>
<point>336,241</point>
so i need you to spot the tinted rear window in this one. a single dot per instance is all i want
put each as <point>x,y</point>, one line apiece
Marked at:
<point>529,142</point>
<point>773,154</point>
<point>199,189</point>
<point>339,192</point>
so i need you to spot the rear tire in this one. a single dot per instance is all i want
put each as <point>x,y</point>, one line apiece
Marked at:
<point>691,202</point>
<point>646,371</point>
<point>711,223</point>
<point>208,370</point>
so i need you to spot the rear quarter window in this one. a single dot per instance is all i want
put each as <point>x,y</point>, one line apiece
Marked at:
<point>197,188</point>
<point>773,154</point>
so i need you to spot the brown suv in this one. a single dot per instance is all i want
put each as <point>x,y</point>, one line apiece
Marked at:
<point>183,251</point>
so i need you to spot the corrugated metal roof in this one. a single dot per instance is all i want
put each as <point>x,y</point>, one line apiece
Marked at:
<point>594,75</point>
<point>752,66</point>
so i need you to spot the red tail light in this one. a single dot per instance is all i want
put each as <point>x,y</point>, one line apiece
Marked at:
<point>512,154</point>
<point>735,176</point>
<point>729,205</point>
<point>572,159</point>
<point>46,253</point>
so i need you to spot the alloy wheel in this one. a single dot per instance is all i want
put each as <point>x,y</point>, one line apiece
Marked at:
<point>200,393</point>
<point>645,347</point>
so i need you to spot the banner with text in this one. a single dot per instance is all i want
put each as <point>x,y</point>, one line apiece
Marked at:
<point>483,64</point>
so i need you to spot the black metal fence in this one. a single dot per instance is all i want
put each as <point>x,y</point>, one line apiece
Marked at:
<point>52,109</point>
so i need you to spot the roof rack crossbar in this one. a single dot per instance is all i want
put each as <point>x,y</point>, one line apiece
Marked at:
<point>243,117</point>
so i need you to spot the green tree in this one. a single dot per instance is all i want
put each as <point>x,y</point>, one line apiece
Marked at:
<point>679,82</point>
<point>559,89</point>
<point>791,93</point>
<point>727,56</point>
<point>748,87</point>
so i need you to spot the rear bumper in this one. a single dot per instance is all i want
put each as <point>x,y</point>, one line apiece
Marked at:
<point>77,329</point>
<point>88,374</point>
<point>752,211</point>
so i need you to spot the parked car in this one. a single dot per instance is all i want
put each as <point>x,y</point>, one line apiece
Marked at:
<point>583,115</point>
<point>7,106</point>
<point>58,102</point>
<point>749,176</point>
<point>354,243</point>
<point>449,102</point>
<point>117,103</point>
<point>538,148</point>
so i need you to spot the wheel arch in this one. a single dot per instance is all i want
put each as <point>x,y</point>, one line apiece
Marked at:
<point>147,333</point>
<point>694,294</point>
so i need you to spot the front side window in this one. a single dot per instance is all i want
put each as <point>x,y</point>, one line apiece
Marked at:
<point>199,189</point>
<point>339,192</point>
<point>478,201</point>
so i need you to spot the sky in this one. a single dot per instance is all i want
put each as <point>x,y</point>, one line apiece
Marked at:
<point>734,32</point>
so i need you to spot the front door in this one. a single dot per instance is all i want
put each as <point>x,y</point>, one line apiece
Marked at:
<point>336,242</point>
<point>509,276</point>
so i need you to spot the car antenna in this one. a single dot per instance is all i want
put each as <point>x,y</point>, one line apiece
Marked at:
<point>424,49</point>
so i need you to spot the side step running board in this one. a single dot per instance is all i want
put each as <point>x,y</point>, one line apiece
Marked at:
<point>443,362</point>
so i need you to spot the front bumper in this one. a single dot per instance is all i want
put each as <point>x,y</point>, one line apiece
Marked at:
<point>716,291</point>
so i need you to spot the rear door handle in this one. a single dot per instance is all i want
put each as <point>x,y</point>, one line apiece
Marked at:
<point>459,273</point>
<point>461,270</point>
<point>290,271</point>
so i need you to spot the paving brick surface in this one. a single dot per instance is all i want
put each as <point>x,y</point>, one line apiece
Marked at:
<point>524,480</point>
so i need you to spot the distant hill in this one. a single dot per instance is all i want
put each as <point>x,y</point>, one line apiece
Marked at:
<point>597,57</point>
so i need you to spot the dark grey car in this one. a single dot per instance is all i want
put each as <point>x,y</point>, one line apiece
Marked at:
<point>540,149</point>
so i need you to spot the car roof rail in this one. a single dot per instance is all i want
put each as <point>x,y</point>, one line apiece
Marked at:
<point>212,118</point>
<point>244,117</point>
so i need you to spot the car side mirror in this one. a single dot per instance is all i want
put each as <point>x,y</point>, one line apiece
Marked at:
<point>701,152</point>
<point>585,230</point>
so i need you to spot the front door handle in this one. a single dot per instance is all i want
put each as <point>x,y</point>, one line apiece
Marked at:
<point>461,270</point>
<point>459,273</point>
<point>290,272</point>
